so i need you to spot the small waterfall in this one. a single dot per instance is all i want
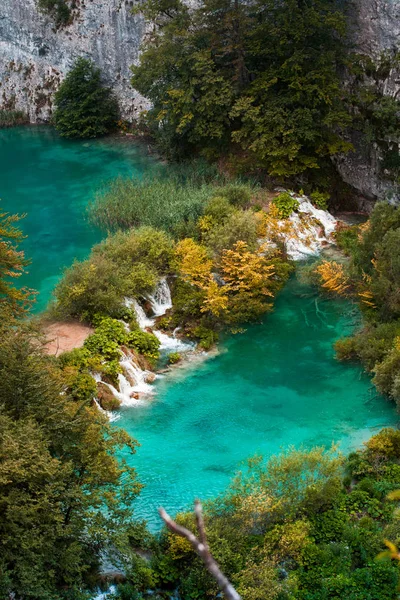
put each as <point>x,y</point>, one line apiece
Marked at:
<point>172,343</point>
<point>160,302</point>
<point>142,319</point>
<point>311,230</point>
<point>133,381</point>
<point>161,299</point>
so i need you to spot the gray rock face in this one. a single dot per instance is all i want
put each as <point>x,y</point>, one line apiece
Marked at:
<point>34,56</point>
<point>375,29</point>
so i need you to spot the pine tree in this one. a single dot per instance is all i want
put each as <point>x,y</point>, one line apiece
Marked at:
<point>85,108</point>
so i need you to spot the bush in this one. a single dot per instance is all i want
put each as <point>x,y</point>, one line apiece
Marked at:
<point>239,225</point>
<point>12,118</point>
<point>345,349</point>
<point>126,264</point>
<point>84,107</point>
<point>237,194</point>
<point>320,199</point>
<point>58,9</point>
<point>174,358</point>
<point>145,343</point>
<point>286,204</point>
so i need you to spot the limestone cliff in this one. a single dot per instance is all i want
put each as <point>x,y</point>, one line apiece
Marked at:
<point>374,31</point>
<point>35,56</point>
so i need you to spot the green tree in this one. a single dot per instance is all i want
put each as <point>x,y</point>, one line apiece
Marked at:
<point>64,496</point>
<point>85,108</point>
<point>12,266</point>
<point>259,78</point>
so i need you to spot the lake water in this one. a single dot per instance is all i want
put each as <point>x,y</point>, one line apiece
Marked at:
<point>52,180</point>
<point>274,386</point>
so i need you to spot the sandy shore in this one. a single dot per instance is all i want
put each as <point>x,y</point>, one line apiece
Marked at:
<point>65,336</point>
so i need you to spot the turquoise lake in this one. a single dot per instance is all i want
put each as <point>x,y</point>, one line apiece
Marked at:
<point>52,180</point>
<point>276,385</point>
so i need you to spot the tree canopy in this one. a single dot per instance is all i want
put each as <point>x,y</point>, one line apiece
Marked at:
<point>85,108</point>
<point>258,78</point>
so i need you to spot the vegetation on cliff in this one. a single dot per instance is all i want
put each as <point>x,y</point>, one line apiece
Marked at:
<point>260,80</point>
<point>84,107</point>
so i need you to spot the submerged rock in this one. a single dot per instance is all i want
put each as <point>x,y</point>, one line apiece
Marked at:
<point>106,398</point>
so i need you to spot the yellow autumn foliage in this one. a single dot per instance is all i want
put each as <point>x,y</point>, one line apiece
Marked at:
<point>245,271</point>
<point>333,278</point>
<point>244,279</point>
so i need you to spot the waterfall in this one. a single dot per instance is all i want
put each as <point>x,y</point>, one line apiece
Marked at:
<point>133,382</point>
<point>142,319</point>
<point>311,229</point>
<point>160,302</point>
<point>161,299</point>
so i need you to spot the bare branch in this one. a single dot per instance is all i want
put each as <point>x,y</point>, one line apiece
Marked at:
<point>200,546</point>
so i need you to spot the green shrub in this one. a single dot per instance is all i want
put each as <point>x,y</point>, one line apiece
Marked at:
<point>237,194</point>
<point>57,9</point>
<point>174,358</point>
<point>218,208</point>
<point>347,238</point>
<point>125,265</point>
<point>12,118</point>
<point>320,199</point>
<point>84,108</point>
<point>145,343</point>
<point>206,337</point>
<point>286,204</point>
<point>239,225</point>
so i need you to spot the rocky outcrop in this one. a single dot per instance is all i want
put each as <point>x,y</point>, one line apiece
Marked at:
<point>35,56</point>
<point>374,31</point>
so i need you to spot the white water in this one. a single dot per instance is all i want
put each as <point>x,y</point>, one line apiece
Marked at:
<point>311,230</point>
<point>161,299</point>
<point>132,383</point>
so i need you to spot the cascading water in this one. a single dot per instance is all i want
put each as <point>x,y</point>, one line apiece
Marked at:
<point>133,382</point>
<point>161,299</point>
<point>311,230</point>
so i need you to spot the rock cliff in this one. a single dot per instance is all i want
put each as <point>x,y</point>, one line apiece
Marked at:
<point>374,31</point>
<point>35,56</point>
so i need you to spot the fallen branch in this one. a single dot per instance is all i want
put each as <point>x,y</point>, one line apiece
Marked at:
<point>200,546</point>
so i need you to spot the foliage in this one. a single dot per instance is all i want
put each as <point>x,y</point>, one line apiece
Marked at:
<point>260,79</point>
<point>57,9</point>
<point>246,280</point>
<point>11,118</point>
<point>174,358</point>
<point>293,527</point>
<point>333,277</point>
<point>145,343</point>
<point>84,107</point>
<point>285,204</point>
<point>125,265</point>
<point>12,266</point>
<point>223,235</point>
<point>375,275</point>
<point>64,496</point>
<point>320,199</point>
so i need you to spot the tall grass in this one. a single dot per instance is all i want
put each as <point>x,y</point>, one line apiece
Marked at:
<point>163,204</point>
<point>172,199</point>
<point>11,118</point>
